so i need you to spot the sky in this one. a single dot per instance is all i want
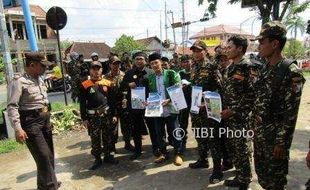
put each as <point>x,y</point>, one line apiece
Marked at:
<point>106,20</point>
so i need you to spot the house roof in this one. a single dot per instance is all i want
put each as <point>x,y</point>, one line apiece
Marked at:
<point>147,41</point>
<point>219,29</point>
<point>87,48</point>
<point>36,9</point>
<point>187,51</point>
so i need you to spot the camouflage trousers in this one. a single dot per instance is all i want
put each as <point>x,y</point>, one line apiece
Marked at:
<point>126,125</point>
<point>199,122</point>
<point>102,132</point>
<point>215,140</point>
<point>271,172</point>
<point>75,93</point>
<point>240,151</point>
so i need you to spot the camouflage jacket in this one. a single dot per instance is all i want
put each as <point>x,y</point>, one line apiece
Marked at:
<point>238,93</point>
<point>115,85</point>
<point>206,75</point>
<point>278,104</point>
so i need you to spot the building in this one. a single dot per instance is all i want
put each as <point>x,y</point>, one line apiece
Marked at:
<point>152,44</point>
<point>215,35</point>
<point>87,48</point>
<point>46,37</point>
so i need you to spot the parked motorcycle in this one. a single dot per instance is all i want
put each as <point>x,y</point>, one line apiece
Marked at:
<point>57,85</point>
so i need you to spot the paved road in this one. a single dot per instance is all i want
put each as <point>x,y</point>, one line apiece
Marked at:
<point>53,97</point>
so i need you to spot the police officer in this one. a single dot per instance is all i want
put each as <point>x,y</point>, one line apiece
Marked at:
<point>115,76</point>
<point>237,102</point>
<point>29,115</point>
<point>99,114</point>
<point>206,75</point>
<point>279,90</point>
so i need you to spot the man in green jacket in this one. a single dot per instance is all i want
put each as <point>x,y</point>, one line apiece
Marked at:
<point>159,81</point>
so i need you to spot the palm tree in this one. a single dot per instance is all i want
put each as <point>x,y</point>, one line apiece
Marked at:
<point>293,21</point>
<point>294,24</point>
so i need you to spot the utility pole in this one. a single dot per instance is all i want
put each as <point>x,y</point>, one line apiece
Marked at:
<point>183,27</point>
<point>161,32</point>
<point>147,33</point>
<point>166,27</point>
<point>5,45</point>
<point>174,40</point>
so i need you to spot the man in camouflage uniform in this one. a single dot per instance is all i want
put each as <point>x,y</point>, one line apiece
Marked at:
<point>115,76</point>
<point>74,71</point>
<point>185,74</point>
<point>279,89</point>
<point>98,112</point>
<point>237,101</point>
<point>206,75</point>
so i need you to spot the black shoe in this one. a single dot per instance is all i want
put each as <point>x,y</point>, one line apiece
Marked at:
<point>243,186</point>
<point>232,182</point>
<point>135,156</point>
<point>216,177</point>
<point>97,164</point>
<point>200,163</point>
<point>129,147</point>
<point>227,165</point>
<point>58,184</point>
<point>110,159</point>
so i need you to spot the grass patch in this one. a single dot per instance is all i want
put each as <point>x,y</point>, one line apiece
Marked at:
<point>60,106</point>
<point>306,73</point>
<point>9,145</point>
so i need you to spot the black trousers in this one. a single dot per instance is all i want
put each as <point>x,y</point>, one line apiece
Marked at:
<point>40,144</point>
<point>138,125</point>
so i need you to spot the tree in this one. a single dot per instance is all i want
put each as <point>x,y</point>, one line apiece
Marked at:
<point>294,49</point>
<point>126,44</point>
<point>293,21</point>
<point>65,44</point>
<point>264,8</point>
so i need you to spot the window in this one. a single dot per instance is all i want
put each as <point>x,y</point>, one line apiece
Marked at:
<point>43,31</point>
<point>19,30</point>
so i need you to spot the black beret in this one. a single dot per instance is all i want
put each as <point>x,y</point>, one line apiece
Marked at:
<point>139,53</point>
<point>154,56</point>
<point>165,59</point>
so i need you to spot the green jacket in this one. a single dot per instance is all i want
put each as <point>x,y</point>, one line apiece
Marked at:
<point>170,78</point>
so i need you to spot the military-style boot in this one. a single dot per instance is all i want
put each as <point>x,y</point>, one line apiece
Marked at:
<point>129,147</point>
<point>108,158</point>
<point>217,174</point>
<point>243,186</point>
<point>97,163</point>
<point>232,182</point>
<point>227,165</point>
<point>200,163</point>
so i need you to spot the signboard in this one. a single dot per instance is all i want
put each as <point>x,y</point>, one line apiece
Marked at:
<point>253,3</point>
<point>212,42</point>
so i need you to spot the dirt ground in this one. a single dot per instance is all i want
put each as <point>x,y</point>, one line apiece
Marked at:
<point>73,157</point>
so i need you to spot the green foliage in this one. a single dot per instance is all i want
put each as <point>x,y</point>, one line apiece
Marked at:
<point>63,121</point>
<point>126,44</point>
<point>294,49</point>
<point>65,44</point>
<point>1,77</point>
<point>1,64</point>
<point>59,106</point>
<point>63,117</point>
<point>9,145</point>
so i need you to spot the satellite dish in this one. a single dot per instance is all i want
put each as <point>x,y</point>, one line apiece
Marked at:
<point>56,18</point>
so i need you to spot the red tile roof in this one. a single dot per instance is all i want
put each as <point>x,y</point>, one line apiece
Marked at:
<point>37,10</point>
<point>87,48</point>
<point>219,29</point>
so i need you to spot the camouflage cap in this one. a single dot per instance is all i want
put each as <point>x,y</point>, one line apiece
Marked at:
<point>184,58</point>
<point>271,29</point>
<point>115,60</point>
<point>199,45</point>
<point>37,57</point>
